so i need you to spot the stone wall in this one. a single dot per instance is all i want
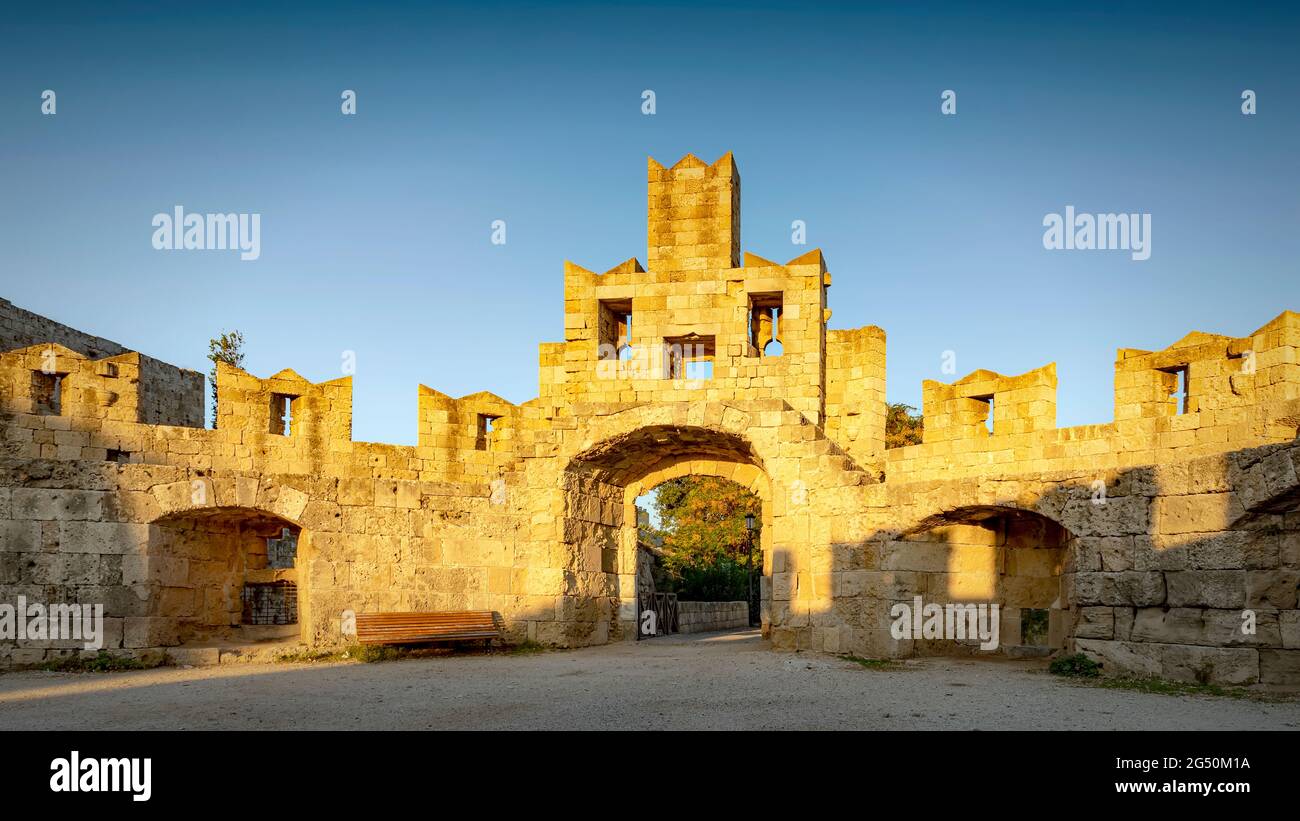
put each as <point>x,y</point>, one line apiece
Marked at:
<point>157,393</point>
<point>855,393</point>
<point>709,616</point>
<point>1164,541</point>
<point>1204,590</point>
<point>1242,393</point>
<point>20,328</point>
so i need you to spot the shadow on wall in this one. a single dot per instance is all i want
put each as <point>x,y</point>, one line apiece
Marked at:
<point>1187,571</point>
<point>988,555</point>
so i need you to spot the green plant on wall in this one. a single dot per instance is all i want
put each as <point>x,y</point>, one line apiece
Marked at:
<point>228,348</point>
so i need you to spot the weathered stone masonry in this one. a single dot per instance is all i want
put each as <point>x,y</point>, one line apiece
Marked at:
<point>1141,541</point>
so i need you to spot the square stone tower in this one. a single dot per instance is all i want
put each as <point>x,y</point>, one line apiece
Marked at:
<point>704,321</point>
<point>694,211</point>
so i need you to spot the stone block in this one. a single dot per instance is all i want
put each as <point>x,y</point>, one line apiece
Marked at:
<point>1210,665</point>
<point>1122,657</point>
<point>1280,667</point>
<point>1207,588</point>
<point>149,631</point>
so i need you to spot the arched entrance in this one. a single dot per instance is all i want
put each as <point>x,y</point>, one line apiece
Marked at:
<point>986,555</point>
<point>602,485</point>
<point>700,568</point>
<point>228,575</point>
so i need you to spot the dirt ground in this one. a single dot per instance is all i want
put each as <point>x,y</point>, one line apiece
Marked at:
<point>705,681</point>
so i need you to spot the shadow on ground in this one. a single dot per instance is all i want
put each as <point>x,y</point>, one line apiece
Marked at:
<point>702,681</point>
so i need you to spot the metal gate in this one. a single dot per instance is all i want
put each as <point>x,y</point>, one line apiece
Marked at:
<point>657,611</point>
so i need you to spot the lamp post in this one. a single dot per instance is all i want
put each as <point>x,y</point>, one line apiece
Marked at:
<point>749,565</point>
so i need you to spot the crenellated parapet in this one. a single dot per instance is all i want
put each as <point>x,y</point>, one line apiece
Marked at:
<point>752,332</point>
<point>157,393</point>
<point>855,392</point>
<point>694,211</point>
<point>469,435</point>
<point>284,406</point>
<point>985,403</point>
<point>704,322</point>
<point>1204,394</point>
<point>52,380</point>
<point>1207,379</point>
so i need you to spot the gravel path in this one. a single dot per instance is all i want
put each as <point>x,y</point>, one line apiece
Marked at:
<point>709,681</point>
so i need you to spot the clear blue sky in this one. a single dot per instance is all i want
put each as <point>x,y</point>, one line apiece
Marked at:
<point>376,228</point>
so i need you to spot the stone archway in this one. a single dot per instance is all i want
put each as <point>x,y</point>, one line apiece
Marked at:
<point>747,476</point>
<point>581,578</point>
<point>602,484</point>
<point>1000,555</point>
<point>228,574</point>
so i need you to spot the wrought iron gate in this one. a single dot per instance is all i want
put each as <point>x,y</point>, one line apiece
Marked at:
<point>663,606</point>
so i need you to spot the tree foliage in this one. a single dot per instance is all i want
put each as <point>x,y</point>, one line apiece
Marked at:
<point>228,348</point>
<point>703,536</point>
<point>902,427</point>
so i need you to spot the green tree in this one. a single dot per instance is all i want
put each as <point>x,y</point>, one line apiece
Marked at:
<point>228,348</point>
<point>703,536</point>
<point>902,427</point>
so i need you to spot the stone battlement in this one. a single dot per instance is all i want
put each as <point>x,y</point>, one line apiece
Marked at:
<point>1139,540</point>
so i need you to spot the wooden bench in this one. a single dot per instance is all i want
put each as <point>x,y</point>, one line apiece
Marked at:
<point>425,628</point>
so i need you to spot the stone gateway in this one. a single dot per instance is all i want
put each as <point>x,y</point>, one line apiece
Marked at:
<point>1165,542</point>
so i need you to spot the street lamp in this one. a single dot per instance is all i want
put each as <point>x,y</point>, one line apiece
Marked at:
<point>749,564</point>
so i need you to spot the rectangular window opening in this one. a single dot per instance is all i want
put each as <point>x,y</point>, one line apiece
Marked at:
<point>1034,630</point>
<point>47,393</point>
<point>615,331</point>
<point>764,319</point>
<point>689,357</point>
<point>486,427</point>
<point>1179,395</point>
<point>270,603</point>
<point>282,550</point>
<point>987,421</point>
<point>282,407</point>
